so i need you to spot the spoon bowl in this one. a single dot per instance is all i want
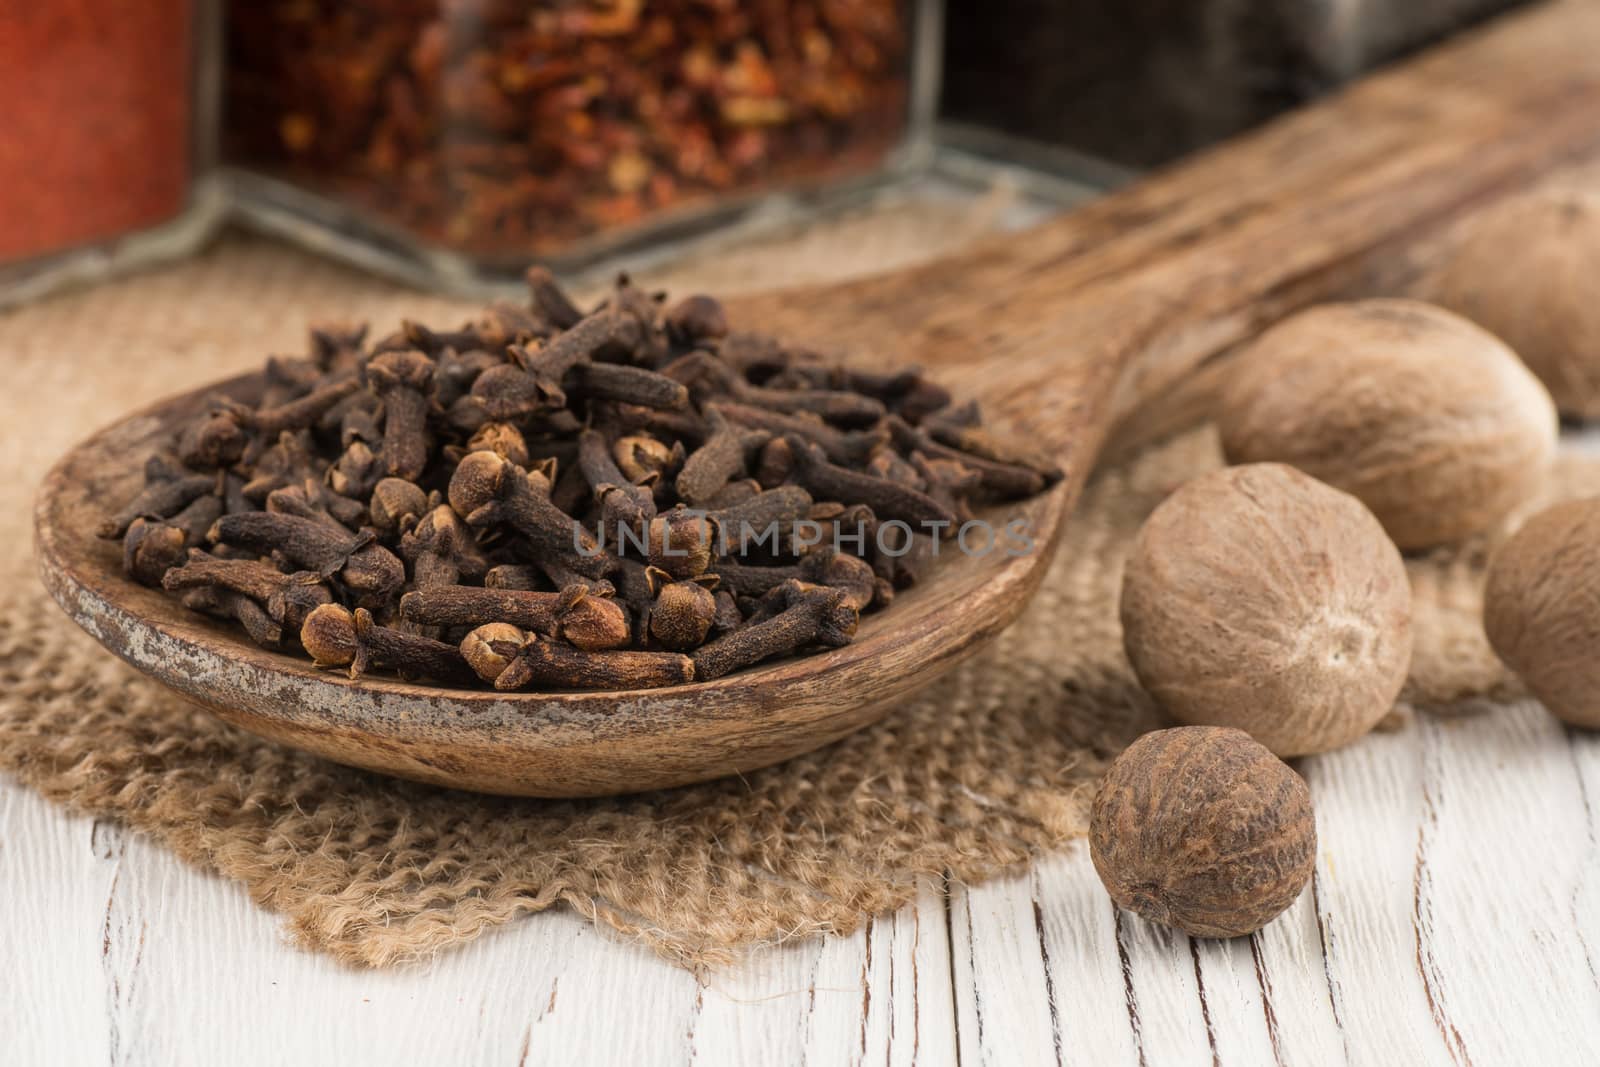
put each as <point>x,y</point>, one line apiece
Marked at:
<point>551,744</point>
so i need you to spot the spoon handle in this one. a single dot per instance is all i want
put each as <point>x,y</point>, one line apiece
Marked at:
<point>1061,328</point>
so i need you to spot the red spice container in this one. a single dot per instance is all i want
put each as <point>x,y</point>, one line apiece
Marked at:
<point>99,137</point>
<point>466,137</point>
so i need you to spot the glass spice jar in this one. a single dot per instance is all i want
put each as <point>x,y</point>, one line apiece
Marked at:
<point>463,138</point>
<point>105,143</point>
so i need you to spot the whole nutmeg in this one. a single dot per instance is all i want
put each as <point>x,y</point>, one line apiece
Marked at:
<point>1259,598</point>
<point>1203,829</point>
<point>1541,608</point>
<point>1524,270</point>
<point>1427,419</point>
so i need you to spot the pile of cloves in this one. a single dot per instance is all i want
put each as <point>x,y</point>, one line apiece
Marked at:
<point>627,498</point>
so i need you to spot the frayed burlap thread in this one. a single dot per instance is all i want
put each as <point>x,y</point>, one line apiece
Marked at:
<point>991,768</point>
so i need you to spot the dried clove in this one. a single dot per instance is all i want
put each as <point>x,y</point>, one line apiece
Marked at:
<point>441,550</point>
<point>575,614</point>
<point>367,569</point>
<point>644,460</point>
<point>287,378</point>
<point>681,542</point>
<point>151,547</point>
<point>822,566</point>
<point>627,385</point>
<point>288,460</point>
<point>1004,480</point>
<point>546,663</point>
<point>775,464</point>
<point>504,324</point>
<point>771,517</point>
<point>949,482</point>
<point>724,454</point>
<point>887,499</point>
<point>811,615</point>
<point>688,428</point>
<point>455,371</point>
<point>515,576</point>
<point>711,378</point>
<point>336,346</point>
<point>487,489</point>
<point>533,382</point>
<point>338,637</point>
<point>357,471</point>
<point>503,439</point>
<point>402,381</point>
<point>623,505</point>
<point>227,604</point>
<point>848,448</point>
<point>696,318</point>
<point>550,302</point>
<point>312,500</point>
<point>287,598</point>
<point>159,500</point>
<point>215,441</point>
<point>727,617</point>
<point>490,649</point>
<point>299,414</point>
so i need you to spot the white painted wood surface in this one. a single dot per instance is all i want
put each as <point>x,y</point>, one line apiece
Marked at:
<point>1454,919</point>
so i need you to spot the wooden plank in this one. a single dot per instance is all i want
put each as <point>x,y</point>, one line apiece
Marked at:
<point>1502,863</point>
<point>115,952</point>
<point>537,995</point>
<point>881,996</point>
<point>57,879</point>
<point>1046,967</point>
<point>1296,1004</point>
<point>1100,1016</point>
<point>1365,895</point>
<point>1005,1007</point>
<point>1240,1026</point>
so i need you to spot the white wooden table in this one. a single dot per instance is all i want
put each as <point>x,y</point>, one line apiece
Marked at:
<point>1454,918</point>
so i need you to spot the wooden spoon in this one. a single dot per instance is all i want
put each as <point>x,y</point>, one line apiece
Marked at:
<point>1057,330</point>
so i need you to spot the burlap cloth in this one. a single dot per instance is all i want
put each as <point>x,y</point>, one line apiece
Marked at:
<point>991,768</point>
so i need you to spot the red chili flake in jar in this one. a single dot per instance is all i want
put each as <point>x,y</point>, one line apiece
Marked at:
<point>96,140</point>
<point>496,130</point>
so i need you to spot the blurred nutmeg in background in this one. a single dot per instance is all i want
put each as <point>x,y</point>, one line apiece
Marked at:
<point>1526,270</point>
<point>1427,419</point>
